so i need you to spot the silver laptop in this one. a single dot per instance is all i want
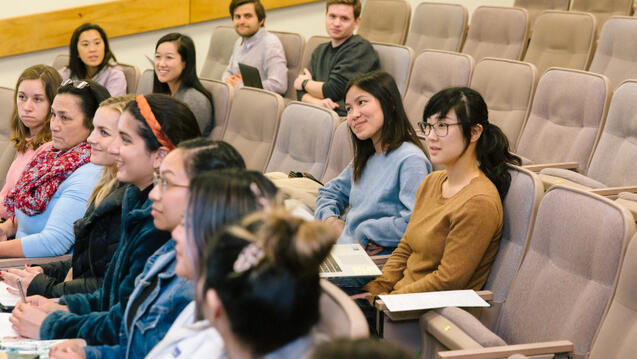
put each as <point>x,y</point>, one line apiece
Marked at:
<point>348,260</point>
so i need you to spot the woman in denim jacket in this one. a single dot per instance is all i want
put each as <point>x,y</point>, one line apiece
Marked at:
<point>162,290</point>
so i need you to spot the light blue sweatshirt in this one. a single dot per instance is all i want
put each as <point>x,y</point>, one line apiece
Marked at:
<point>381,201</point>
<point>50,233</point>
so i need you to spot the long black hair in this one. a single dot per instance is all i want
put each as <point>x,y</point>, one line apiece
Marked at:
<point>186,49</point>
<point>396,126</point>
<point>77,67</point>
<point>492,148</point>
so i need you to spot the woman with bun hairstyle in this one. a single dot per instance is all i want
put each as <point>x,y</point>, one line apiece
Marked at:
<point>176,75</point>
<point>90,58</point>
<point>259,284</point>
<point>454,232</point>
<point>148,130</point>
<point>29,122</point>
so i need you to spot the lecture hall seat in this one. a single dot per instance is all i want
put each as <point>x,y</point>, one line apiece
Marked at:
<point>385,21</point>
<point>562,290</point>
<point>497,31</point>
<point>438,26</point>
<point>507,87</point>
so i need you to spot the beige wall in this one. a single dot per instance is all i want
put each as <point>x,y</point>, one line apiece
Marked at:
<point>304,19</point>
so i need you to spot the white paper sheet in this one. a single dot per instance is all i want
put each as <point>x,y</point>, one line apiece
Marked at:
<point>5,326</point>
<point>7,299</point>
<point>430,300</point>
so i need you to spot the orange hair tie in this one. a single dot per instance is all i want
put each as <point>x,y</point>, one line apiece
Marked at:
<point>151,121</point>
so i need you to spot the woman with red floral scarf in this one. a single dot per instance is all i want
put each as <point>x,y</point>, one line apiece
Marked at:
<point>55,186</point>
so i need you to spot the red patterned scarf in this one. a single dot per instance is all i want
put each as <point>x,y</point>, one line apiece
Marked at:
<point>42,177</point>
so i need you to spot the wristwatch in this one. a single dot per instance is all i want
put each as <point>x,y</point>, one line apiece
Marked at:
<point>304,83</point>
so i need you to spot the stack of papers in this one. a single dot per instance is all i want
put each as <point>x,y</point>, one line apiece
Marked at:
<point>7,299</point>
<point>28,346</point>
<point>5,326</point>
<point>431,300</point>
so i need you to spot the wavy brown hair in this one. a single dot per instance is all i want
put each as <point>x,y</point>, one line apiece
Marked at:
<point>51,80</point>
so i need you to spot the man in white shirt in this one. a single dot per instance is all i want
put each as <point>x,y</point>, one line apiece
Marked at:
<point>256,47</point>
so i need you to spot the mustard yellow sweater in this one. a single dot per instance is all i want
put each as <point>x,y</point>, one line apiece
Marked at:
<point>450,243</point>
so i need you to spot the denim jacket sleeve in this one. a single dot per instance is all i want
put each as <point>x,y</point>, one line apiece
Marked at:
<point>103,352</point>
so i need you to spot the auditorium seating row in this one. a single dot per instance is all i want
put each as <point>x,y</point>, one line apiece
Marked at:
<point>563,280</point>
<point>388,20</point>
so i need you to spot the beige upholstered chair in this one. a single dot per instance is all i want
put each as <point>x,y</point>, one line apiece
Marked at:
<point>145,84</point>
<point>385,21</point>
<point>561,39</point>
<point>563,288</point>
<point>567,115</point>
<point>304,139</point>
<point>613,161</point>
<point>131,72</point>
<point>396,60</point>
<point>7,151</point>
<point>311,45</point>
<point>616,54</point>
<point>497,32</point>
<point>222,100</point>
<point>507,87</point>
<point>253,124</point>
<point>520,207</point>
<point>535,7</point>
<point>219,52</point>
<point>438,26</point>
<point>434,70</point>
<point>603,9</point>
<point>340,316</point>
<point>60,61</point>
<point>341,152</point>
<point>293,44</point>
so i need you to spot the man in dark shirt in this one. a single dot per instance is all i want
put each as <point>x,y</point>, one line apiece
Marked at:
<point>335,62</point>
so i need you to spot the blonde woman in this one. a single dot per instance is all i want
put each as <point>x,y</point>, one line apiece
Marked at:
<point>97,233</point>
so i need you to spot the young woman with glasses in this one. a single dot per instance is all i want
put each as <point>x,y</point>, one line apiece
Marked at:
<point>389,163</point>
<point>455,228</point>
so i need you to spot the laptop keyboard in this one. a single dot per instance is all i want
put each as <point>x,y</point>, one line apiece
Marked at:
<point>329,266</point>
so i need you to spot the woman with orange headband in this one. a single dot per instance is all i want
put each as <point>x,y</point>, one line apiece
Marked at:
<point>149,128</point>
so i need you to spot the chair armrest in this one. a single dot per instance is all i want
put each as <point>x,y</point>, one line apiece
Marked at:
<point>20,262</point>
<point>380,259</point>
<point>543,348</point>
<point>614,191</point>
<point>487,295</point>
<point>565,165</point>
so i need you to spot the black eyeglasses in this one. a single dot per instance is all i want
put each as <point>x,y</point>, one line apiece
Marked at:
<point>441,129</point>
<point>76,84</point>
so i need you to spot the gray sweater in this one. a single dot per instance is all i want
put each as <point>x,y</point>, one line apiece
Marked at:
<point>200,107</point>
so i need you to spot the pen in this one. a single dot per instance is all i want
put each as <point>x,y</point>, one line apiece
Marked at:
<point>24,299</point>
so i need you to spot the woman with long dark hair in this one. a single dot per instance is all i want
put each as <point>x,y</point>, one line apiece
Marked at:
<point>90,58</point>
<point>454,232</point>
<point>176,75</point>
<point>389,163</point>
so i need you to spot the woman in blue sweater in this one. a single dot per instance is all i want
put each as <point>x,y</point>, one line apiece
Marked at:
<point>380,184</point>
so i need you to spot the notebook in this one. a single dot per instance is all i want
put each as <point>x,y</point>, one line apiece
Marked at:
<point>7,299</point>
<point>250,76</point>
<point>348,260</point>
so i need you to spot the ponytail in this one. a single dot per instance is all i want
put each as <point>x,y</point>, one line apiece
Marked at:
<point>492,148</point>
<point>492,151</point>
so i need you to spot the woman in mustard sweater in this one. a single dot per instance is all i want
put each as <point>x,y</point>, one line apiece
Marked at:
<point>455,228</point>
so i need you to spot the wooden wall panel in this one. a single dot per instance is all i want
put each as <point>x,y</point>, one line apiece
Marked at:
<point>121,17</point>
<point>204,10</point>
<point>52,29</point>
